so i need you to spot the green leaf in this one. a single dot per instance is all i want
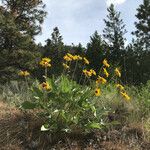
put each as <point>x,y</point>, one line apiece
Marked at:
<point>93,110</point>
<point>36,97</point>
<point>28,105</point>
<point>44,127</point>
<point>37,92</point>
<point>114,123</point>
<point>94,125</point>
<point>65,85</point>
<point>52,83</point>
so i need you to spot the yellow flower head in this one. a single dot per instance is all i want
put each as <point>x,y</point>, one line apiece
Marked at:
<point>26,73</point>
<point>79,57</point>
<point>86,61</point>
<point>46,59</point>
<point>105,72</point>
<point>75,57</point>
<point>97,92</point>
<point>45,86</point>
<point>45,62</point>
<point>101,80</point>
<point>65,66</point>
<point>87,73</point>
<point>70,55</point>
<point>120,87</point>
<point>93,72</point>
<point>105,63</point>
<point>125,95</point>
<point>67,58</point>
<point>23,73</point>
<point>117,72</point>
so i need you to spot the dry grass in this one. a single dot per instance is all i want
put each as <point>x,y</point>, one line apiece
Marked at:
<point>20,131</point>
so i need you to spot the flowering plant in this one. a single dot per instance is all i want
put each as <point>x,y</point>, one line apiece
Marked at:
<point>66,105</point>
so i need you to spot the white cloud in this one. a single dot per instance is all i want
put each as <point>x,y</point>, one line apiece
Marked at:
<point>76,19</point>
<point>115,2</point>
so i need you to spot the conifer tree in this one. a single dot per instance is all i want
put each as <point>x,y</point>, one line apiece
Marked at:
<point>141,43</point>
<point>95,51</point>
<point>20,21</point>
<point>54,45</point>
<point>142,32</point>
<point>114,33</point>
<point>54,49</point>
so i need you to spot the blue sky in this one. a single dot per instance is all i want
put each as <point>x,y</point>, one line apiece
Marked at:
<point>78,19</point>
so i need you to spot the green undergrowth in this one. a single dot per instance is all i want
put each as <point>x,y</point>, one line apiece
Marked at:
<point>107,111</point>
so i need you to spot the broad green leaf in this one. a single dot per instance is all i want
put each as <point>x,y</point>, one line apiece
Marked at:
<point>65,85</point>
<point>28,105</point>
<point>94,125</point>
<point>37,92</point>
<point>114,123</point>
<point>52,83</point>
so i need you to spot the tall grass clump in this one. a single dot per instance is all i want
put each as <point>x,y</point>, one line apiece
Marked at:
<point>15,92</point>
<point>144,99</point>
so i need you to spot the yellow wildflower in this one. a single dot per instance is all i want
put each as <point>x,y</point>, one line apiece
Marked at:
<point>105,63</point>
<point>86,61</point>
<point>46,59</point>
<point>23,73</point>
<point>93,72</point>
<point>45,62</point>
<point>84,71</point>
<point>101,80</point>
<point>79,57</point>
<point>75,57</point>
<point>45,86</point>
<point>67,58</point>
<point>26,73</point>
<point>120,87</point>
<point>65,66</point>
<point>87,73</point>
<point>125,95</point>
<point>97,92</point>
<point>117,72</point>
<point>70,55</point>
<point>105,72</point>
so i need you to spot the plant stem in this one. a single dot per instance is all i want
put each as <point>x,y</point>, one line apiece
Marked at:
<point>46,72</point>
<point>75,69</point>
<point>81,74</point>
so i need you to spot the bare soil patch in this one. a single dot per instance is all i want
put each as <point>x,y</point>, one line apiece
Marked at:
<point>21,131</point>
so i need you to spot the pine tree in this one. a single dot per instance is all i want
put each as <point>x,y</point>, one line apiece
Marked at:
<point>141,43</point>
<point>143,25</point>
<point>114,33</point>
<point>54,49</point>
<point>20,21</point>
<point>54,45</point>
<point>26,14</point>
<point>57,38</point>
<point>76,49</point>
<point>95,51</point>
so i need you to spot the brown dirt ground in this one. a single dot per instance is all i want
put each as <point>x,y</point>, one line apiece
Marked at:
<point>21,131</point>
